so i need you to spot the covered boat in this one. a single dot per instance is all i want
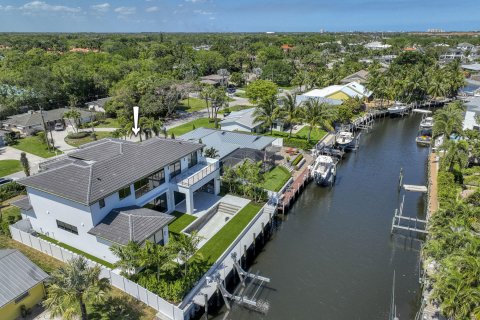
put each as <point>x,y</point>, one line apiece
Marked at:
<point>398,109</point>
<point>344,139</point>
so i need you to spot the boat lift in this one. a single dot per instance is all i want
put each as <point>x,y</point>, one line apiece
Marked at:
<point>401,222</point>
<point>252,303</point>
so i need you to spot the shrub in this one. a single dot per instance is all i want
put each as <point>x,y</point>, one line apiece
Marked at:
<point>78,135</point>
<point>10,190</point>
<point>297,159</point>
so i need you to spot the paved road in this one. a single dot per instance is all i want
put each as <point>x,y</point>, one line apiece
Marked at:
<point>9,153</point>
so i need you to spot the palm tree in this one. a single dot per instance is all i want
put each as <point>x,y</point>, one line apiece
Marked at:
<point>289,113</point>
<point>75,115</point>
<point>128,256</point>
<point>206,94</point>
<point>211,153</point>
<point>456,154</point>
<point>74,285</point>
<point>448,120</point>
<point>159,257</point>
<point>267,112</point>
<point>186,246</point>
<point>318,114</point>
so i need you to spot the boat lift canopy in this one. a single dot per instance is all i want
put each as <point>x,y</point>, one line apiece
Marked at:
<point>422,111</point>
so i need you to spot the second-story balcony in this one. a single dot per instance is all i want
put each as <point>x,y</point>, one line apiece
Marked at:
<point>196,173</point>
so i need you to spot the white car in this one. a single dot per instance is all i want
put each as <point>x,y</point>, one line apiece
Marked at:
<point>59,126</point>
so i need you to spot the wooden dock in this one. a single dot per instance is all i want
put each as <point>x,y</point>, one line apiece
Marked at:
<point>295,189</point>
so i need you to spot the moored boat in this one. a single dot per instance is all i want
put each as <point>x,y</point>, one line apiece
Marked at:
<point>344,139</point>
<point>427,123</point>
<point>424,137</point>
<point>398,109</point>
<point>324,171</point>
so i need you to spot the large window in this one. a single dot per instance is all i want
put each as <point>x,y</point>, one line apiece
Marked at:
<point>125,192</point>
<point>67,227</point>
<point>192,159</point>
<point>149,183</point>
<point>175,169</point>
<point>159,203</point>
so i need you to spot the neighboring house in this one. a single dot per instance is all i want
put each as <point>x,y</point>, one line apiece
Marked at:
<point>336,94</point>
<point>98,105</point>
<point>31,122</point>
<point>359,77</point>
<point>464,46</point>
<point>226,142</point>
<point>21,284</point>
<point>473,109</point>
<point>452,54</point>
<point>242,120</point>
<point>214,79</point>
<point>377,45</point>
<point>113,191</point>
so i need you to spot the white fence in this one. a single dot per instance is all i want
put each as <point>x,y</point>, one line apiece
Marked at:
<point>168,310</point>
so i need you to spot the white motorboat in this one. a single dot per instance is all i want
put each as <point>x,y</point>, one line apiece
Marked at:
<point>324,171</point>
<point>398,109</point>
<point>427,123</point>
<point>476,93</point>
<point>344,138</point>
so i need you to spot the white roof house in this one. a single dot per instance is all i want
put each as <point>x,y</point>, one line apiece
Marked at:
<point>473,108</point>
<point>340,92</point>
<point>377,45</point>
<point>242,120</point>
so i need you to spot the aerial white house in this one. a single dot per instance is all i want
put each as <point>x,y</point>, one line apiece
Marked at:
<point>114,191</point>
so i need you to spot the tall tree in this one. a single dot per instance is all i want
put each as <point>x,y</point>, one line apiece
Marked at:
<point>25,163</point>
<point>73,286</point>
<point>289,113</point>
<point>448,120</point>
<point>267,112</point>
<point>317,114</point>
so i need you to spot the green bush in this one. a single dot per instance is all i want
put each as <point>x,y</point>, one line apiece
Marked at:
<point>447,189</point>
<point>78,135</point>
<point>10,190</point>
<point>297,159</point>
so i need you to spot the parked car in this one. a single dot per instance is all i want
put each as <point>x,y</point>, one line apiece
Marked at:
<point>231,89</point>
<point>59,126</point>
<point>5,180</point>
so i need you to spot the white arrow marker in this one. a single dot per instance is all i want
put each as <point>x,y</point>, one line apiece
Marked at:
<point>135,129</point>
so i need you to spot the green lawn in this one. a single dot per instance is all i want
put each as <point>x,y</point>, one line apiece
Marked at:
<point>108,123</point>
<point>182,220</point>
<point>11,211</point>
<point>217,245</point>
<point>34,146</point>
<point>9,166</point>
<point>79,142</point>
<point>187,127</point>
<point>75,250</point>
<point>315,135</point>
<point>275,179</point>
<point>241,94</point>
<point>192,104</point>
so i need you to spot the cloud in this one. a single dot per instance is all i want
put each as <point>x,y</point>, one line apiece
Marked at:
<point>195,1</point>
<point>41,6</point>
<point>6,8</point>
<point>126,10</point>
<point>203,12</point>
<point>152,9</point>
<point>103,7</point>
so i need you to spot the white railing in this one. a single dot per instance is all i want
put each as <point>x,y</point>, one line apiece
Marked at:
<point>167,309</point>
<point>199,175</point>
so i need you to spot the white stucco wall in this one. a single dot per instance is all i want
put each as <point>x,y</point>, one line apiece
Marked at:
<point>48,208</point>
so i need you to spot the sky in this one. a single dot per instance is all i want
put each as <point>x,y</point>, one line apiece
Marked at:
<point>237,16</point>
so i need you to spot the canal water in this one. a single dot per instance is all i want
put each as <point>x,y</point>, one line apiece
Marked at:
<point>334,256</point>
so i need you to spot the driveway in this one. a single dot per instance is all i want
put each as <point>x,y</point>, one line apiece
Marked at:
<point>9,153</point>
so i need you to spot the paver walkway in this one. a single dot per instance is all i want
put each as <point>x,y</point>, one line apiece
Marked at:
<point>433,204</point>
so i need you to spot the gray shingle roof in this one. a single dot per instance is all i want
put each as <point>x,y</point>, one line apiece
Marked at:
<point>225,142</point>
<point>243,117</point>
<point>35,119</point>
<point>130,224</point>
<point>106,166</point>
<point>18,274</point>
<point>22,203</point>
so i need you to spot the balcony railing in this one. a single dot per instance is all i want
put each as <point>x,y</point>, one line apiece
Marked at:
<point>197,176</point>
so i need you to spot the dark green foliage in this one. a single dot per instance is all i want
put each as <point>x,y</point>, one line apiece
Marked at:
<point>78,135</point>
<point>10,190</point>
